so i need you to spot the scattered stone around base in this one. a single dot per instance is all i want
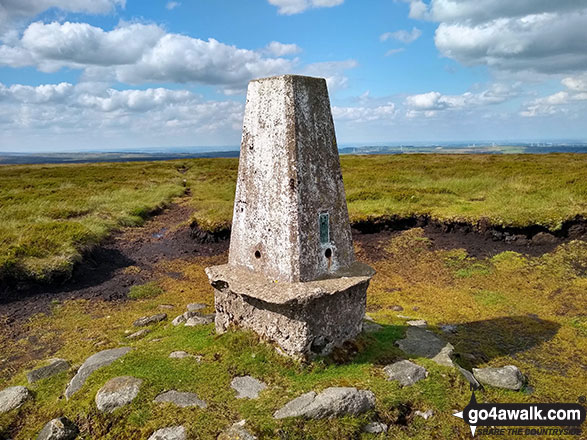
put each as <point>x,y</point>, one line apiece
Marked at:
<point>544,238</point>
<point>423,343</point>
<point>473,383</point>
<point>13,398</point>
<point>59,429</point>
<point>194,307</point>
<point>170,433</point>
<point>237,432</point>
<point>508,377</point>
<point>181,399</point>
<point>375,428</point>
<point>397,308</point>
<point>425,415</point>
<point>148,320</point>
<point>179,355</point>
<point>117,393</point>
<point>405,372</point>
<point>448,328</point>
<point>417,323</point>
<point>98,360</point>
<point>181,319</point>
<point>199,320</point>
<point>247,387</point>
<point>166,306</point>
<point>139,334</point>
<point>54,367</point>
<point>371,327</point>
<point>332,402</point>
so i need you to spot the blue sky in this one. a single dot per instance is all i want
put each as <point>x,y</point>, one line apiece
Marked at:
<point>123,74</point>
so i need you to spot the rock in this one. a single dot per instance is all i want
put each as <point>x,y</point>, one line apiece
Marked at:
<point>181,319</point>
<point>247,387</point>
<point>473,383</point>
<point>520,240</point>
<point>166,306</point>
<point>577,231</point>
<point>139,334</point>
<point>509,377</point>
<point>194,307</point>
<point>417,323</point>
<point>55,366</point>
<point>543,238</point>
<point>170,433</point>
<point>332,402</point>
<point>179,355</point>
<point>237,432</point>
<point>98,360</point>
<point>117,392</point>
<point>59,429</point>
<point>371,327</point>
<point>13,398</point>
<point>148,320</point>
<point>406,373</point>
<point>448,328</point>
<point>425,415</point>
<point>397,308</point>
<point>423,343</point>
<point>183,400</point>
<point>199,320</point>
<point>375,428</point>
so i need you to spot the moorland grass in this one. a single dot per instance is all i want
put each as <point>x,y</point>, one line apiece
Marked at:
<point>50,214</point>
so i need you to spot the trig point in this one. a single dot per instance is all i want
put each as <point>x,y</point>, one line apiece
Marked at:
<point>291,274</point>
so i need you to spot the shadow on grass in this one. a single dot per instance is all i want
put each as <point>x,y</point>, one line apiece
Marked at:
<point>475,342</point>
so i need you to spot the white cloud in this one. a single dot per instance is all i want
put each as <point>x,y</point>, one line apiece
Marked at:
<point>290,7</point>
<point>404,36</point>
<point>576,83</point>
<point>172,5</point>
<point>525,35</point>
<point>362,114</point>
<point>278,49</point>
<point>391,52</point>
<point>560,102</point>
<point>333,71</point>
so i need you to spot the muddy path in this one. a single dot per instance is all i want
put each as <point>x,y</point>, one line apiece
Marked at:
<point>103,274</point>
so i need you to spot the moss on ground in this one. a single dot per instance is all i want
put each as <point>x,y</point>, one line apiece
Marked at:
<point>526,311</point>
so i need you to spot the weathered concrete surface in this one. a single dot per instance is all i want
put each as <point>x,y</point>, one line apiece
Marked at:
<point>332,402</point>
<point>312,319</point>
<point>98,360</point>
<point>54,367</point>
<point>289,174</point>
<point>117,393</point>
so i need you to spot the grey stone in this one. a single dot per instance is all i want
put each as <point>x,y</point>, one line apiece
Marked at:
<point>332,402</point>
<point>117,393</point>
<point>417,323</point>
<point>423,343</point>
<point>139,334</point>
<point>199,320</point>
<point>170,433</point>
<point>59,429</point>
<point>425,414</point>
<point>54,367</point>
<point>148,320</point>
<point>166,306</point>
<point>544,238</point>
<point>237,432</point>
<point>371,327</point>
<point>181,319</point>
<point>247,387</point>
<point>179,355</point>
<point>448,328</point>
<point>405,372</point>
<point>181,399</point>
<point>13,398</point>
<point>98,360</point>
<point>375,428</point>
<point>194,307</point>
<point>397,308</point>
<point>509,377</point>
<point>473,383</point>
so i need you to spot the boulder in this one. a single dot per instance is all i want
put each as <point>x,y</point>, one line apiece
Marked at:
<point>170,433</point>
<point>543,238</point>
<point>117,393</point>
<point>148,320</point>
<point>332,402</point>
<point>194,307</point>
<point>417,323</point>
<point>508,377</point>
<point>139,334</point>
<point>423,343</point>
<point>406,373</point>
<point>181,319</point>
<point>13,398</point>
<point>181,399</point>
<point>375,428</point>
<point>179,355</point>
<point>54,367</point>
<point>199,320</point>
<point>98,360</point>
<point>237,432</point>
<point>473,383</point>
<point>247,387</point>
<point>59,429</point>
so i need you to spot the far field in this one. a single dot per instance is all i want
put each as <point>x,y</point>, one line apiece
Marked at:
<point>51,214</point>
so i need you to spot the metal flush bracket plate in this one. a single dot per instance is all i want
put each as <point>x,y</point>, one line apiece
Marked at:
<point>324,223</point>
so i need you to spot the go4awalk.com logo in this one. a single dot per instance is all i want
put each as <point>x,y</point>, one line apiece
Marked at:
<point>545,419</point>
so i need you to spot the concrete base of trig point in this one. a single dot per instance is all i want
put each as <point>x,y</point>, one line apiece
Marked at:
<point>304,319</point>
